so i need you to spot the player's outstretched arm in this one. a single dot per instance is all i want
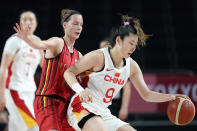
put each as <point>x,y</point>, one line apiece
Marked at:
<point>35,42</point>
<point>138,81</point>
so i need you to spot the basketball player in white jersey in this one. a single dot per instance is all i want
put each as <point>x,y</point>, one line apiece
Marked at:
<point>120,102</point>
<point>19,63</point>
<point>111,69</point>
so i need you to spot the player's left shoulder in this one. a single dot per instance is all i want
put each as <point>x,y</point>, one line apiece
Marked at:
<point>132,61</point>
<point>133,65</point>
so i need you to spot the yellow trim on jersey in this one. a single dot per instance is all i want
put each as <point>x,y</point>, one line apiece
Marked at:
<point>28,120</point>
<point>87,73</point>
<point>13,58</point>
<point>46,76</point>
<point>80,115</point>
<point>44,101</point>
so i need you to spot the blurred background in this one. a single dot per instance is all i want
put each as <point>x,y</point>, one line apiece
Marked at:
<point>169,61</point>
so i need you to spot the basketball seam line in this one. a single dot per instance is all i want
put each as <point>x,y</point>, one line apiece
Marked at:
<point>178,110</point>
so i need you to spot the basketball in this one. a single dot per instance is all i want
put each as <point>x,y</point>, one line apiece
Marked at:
<point>181,111</point>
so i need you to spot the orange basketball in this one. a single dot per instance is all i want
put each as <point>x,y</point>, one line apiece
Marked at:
<point>181,111</point>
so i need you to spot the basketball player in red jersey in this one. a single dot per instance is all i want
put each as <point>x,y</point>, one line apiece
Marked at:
<point>53,94</point>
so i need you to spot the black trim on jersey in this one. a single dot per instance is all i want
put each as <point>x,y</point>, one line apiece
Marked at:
<point>100,69</point>
<point>53,57</point>
<point>42,102</point>
<point>78,54</point>
<point>71,54</point>
<point>58,54</point>
<point>82,122</point>
<point>124,61</point>
<point>52,96</point>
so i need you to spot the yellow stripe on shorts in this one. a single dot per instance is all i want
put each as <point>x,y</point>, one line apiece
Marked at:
<point>28,120</point>
<point>80,115</point>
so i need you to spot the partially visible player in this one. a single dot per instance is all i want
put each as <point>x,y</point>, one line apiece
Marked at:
<point>4,120</point>
<point>53,94</point>
<point>19,63</point>
<point>111,69</point>
<point>105,44</point>
<point>120,102</point>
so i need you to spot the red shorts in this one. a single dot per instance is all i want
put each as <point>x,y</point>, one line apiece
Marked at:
<point>51,113</point>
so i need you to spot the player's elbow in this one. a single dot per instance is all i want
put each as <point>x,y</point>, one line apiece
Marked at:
<point>66,74</point>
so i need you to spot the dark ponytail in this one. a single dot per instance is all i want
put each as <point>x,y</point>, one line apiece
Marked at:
<point>129,25</point>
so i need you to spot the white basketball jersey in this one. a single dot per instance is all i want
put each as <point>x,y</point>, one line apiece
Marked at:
<point>104,85</point>
<point>24,64</point>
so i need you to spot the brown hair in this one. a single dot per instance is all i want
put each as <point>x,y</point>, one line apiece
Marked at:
<point>129,25</point>
<point>142,37</point>
<point>66,14</point>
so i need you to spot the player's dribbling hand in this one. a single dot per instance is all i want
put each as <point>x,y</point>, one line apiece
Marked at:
<point>85,97</point>
<point>182,95</point>
<point>22,31</point>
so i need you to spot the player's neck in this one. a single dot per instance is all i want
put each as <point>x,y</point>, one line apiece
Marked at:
<point>116,57</point>
<point>70,43</point>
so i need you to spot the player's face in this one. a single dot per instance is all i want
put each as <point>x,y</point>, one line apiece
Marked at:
<point>74,26</point>
<point>29,19</point>
<point>128,45</point>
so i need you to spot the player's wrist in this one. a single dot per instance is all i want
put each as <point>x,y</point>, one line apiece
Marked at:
<point>173,97</point>
<point>77,88</point>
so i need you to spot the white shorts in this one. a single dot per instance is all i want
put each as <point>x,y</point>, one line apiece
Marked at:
<point>20,108</point>
<point>77,110</point>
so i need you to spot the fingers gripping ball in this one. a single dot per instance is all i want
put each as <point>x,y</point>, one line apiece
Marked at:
<point>181,111</point>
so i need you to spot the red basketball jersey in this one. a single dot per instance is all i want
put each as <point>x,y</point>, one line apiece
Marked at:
<point>52,81</point>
